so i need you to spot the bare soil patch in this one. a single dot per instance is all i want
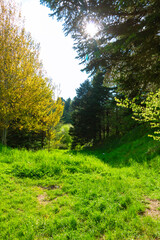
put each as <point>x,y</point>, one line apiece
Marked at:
<point>153,208</point>
<point>42,199</point>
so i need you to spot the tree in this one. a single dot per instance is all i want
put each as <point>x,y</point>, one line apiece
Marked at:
<point>95,115</point>
<point>101,99</point>
<point>127,44</point>
<point>66,118</point>
<point>82,117</point>
<point>26,95</point>
<point>147,110</point>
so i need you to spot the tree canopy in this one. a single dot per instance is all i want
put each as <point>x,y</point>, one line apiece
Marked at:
<point>26,95</point>
<point>127,44</point>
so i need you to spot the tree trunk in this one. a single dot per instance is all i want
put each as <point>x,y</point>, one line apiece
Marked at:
<point>117,122</point>
<point>4,136</point>
<point>42,140</point>
<point>100,130</point>
<point>107,127</point>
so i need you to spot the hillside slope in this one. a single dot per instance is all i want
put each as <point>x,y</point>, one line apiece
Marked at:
<point>135,146</point>
<point>111,193</point>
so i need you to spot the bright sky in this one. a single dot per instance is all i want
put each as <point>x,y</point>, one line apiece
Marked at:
<point>57,51</point>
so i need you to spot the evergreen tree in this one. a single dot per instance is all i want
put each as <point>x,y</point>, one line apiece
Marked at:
<point>82,117</point>
<point>95,114</point>
<point>127,44</point>
<point>66,118</point>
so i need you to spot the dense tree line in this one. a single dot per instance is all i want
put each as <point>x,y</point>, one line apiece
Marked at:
<point>95,114</point>
<point>123,59</point>
<point>28,108</point>
<point>126,48</point>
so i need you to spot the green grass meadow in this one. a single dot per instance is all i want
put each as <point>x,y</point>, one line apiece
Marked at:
<point>84,195</point>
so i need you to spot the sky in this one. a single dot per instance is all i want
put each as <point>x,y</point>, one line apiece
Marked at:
<point>56,50</point>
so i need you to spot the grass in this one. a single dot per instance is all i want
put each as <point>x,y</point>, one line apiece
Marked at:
<point>100,194</point>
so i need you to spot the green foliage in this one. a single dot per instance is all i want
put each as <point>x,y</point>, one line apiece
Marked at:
<point>66,117</point>
<point>95,115</point>
<point>126,45</point>
<point>66,138</point>
<point>147,110</point>
<point>82,115</point>
<point>25,139</point>
<point>63,136</point>
<point>27,98</point>
<point>102,194</point>
<point>125,48</point>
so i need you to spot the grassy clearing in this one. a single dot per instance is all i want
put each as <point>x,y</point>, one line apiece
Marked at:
<point>61,195</point>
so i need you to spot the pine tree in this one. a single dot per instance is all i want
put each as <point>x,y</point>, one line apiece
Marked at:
<point>126,45</point>
<point>66,118</point>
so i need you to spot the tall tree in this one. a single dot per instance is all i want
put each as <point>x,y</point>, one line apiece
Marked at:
<point>95,114</point>
<point>82,117</point>
<point>66,118</point>
<point>26,96</point>
<point>127,44</point>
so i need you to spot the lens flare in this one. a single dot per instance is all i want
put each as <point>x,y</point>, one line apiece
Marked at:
<point>91,29</point>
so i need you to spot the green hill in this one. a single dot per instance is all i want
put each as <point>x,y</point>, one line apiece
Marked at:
<point>109,193</point>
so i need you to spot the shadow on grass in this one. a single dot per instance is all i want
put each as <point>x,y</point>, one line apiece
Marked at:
<point>124,154</point>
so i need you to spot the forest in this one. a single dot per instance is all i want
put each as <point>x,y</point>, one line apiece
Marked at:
<point>87,167</point>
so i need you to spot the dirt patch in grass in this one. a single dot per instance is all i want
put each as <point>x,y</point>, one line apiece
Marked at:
<point>153,209</point>
<point>102,238</point>
<point>42,199</point>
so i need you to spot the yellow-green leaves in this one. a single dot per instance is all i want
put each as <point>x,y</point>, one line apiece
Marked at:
<point>147,110</point>
<point>26,96</point>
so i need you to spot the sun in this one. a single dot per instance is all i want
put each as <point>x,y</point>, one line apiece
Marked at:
<point>91,29</point>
